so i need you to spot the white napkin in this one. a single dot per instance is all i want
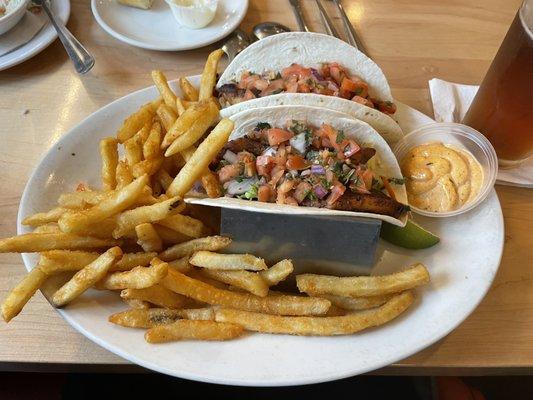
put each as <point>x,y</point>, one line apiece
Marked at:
<point>450,104</point>
<point>23,32</point>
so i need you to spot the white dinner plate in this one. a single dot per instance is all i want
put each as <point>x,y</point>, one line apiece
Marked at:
<point>40,41</point>
<point>156,28</point>
<point>462,267</point>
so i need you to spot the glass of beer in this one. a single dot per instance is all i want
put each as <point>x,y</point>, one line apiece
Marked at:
<point>503,107</point>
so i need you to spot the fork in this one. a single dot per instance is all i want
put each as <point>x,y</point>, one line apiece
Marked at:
<point>297,9</point>
<point>353,39</point>
<point>330,28</point>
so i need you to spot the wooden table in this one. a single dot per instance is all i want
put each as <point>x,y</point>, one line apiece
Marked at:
<point>413,40</point>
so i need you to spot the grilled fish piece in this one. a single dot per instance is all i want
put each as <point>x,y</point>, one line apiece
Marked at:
<point>376,203</point>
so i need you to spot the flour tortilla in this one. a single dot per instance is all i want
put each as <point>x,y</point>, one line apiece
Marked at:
<point>383,163</point>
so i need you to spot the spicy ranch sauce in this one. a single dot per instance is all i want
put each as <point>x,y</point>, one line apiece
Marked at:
<point>441,178</point>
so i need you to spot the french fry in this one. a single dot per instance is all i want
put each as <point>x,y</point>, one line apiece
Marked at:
<point>133,151</point>
<point>170,236</point>
<point>128,220</point>
<point>148,238</point>
<point>145,318</point>
<point>136,278</point>
<point>123,175</point>
<point>167,115</point>
<point>147,167</point>
<point>115,203</point>
<point>19,296</point>
<point>184,224</point>
<point>192,330</point>
<point>195,132</point>
<point>189,91</point>
<point>249,281</point>
<point>180,107</point>
<point>357,303</point>
<point>279,304</point>
<point>47,228</point>
<point>151,147</point>
<point>211,243</point>
<point>79,200</point>
<point>211,184</point>
<point>363,286</point>
<point>318,326</point>
<point>181,264</point>
<point>156,294</point>
<point>137,304</point>
<point>164,178</point>
<point>36,242</point>
<point>109,154</point>
<point>45,217</point>
<point>209,75</point>
<point>135,121</point>
<point>277,273</point>
<point>161,84</point>
<point>201,158</point>
<point>210,260</point>
<point>86,277</point>
<point>131,260</point>
<point>198,314</point>
<point>184,122</point>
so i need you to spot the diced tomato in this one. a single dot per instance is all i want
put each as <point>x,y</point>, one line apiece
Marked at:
<point>264,193</point>
<point>388,188</point>
<point>280,158</point>
<point>324,71</point>
<point>366,177</point>
<point>362,100</point>
<point>303,87</point>
<point>228,172</point>
<point>290,201</point>
<point>351,87</point>
<point>264,165</point>
<point>336,192</point>
<point>276,136</point>
<point>277,173</point>
<point>286,186</point>
<point>291,86</point>
<point>351,148</point>
<point>336,72</point>
<point>301,191</point>
<point>249,95</point>
<point>259,84</point>
<point>296,162</point>
<point>295,70</point>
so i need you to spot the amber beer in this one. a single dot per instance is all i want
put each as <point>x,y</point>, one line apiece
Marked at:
<point>503,107</point>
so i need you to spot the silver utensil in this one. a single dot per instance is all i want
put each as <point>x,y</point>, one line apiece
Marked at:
<point>82,59</point>
<point>328,24</point>
<point>235,43</point>
<point>353,39</point>
<point>265,29</point>
<point>297,10</point>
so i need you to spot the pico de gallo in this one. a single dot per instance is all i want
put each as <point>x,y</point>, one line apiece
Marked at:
<point>331,79</point>
<point>303,165</point>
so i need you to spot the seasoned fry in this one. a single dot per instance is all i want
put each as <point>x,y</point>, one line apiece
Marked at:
<point>170,236</point>
<point>109,154</point>
<point>167,115</point>
<point>137,304</point>
<point>196,130</point>
<point>130,260</point>
<point>136,278</point>
<point>357,303</point>
<point>133,151</point>
<point>19,296</point>
<point>118,201</point>
<point>151,147</point>
<point>211,184</point>
<point>128,220</point>
<point>45,217</point>
<point>180,106</point>
<point>79,200</point>
<point>86,277</point>
<point>209,75</point>
<point>161,84</point>
<point>47,228</point>
<point>318,326</point>
<point>198,314</point>
<point>184,224</point>
<point>363,286</point>
<point>201,158</point>
<point>148,238</point>
<point>193,330</point>
<point>148,167</point>
<point>164,178</point>
<point>158,295</point>
<point>208,259</point>
<point>249,281</point>
<point>279,304</point>
<point>211,243</point>
<point>183,123</point>
<point>277,272</point>
<point>189,91</point>
<point>134,122</point>
<point>123,175</point>
<point>145,318</point>
<point>181,264</point>
<point>35,242</point>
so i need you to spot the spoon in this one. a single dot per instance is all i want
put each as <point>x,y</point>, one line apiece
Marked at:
<point>236,43</point>
<point>265,29</point>
<point>82,59</point>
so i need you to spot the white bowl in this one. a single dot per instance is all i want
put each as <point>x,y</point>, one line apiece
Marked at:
<point>15,12</point>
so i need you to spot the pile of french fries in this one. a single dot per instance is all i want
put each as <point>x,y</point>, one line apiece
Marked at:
<point>137,237</point>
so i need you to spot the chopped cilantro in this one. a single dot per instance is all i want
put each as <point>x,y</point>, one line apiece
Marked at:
<point>262,125</point>
<point>346,177</point>
<point>340,137</point>
<point>310,195</point>
<point>337,169</point>
<point>312,155</point>
<point>251,194</point>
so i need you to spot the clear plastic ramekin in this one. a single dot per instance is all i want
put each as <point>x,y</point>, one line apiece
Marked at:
<point>464,138</point>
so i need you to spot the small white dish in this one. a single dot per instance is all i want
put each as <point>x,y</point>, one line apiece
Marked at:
<point>42,40</point>
<point>193,14</point>
<point>14,12</point>
<point>156,28</point>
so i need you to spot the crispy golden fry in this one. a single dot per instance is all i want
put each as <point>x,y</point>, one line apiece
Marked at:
<point>145,318</point>
<point>211,184</point>
<point>279,304</point>
<point>211,243</point>
<point>148,167</point>
<point>82,199</point>
<point>184,122</point>
<point>123,175</point>
<point>151,147</point>
<point>277,272</point>
<point>196,130</point>
<point>19,296</point>
<point>357,303</point>
<point>184,224</point>
<point>158,295</point>
<point>103,229</point>
<point>161,84</point>
<point>363,286</point>
<point>109,154</point>
<point>318,326</point>
<point>143,133</point>
<point>148,238</point>
<point>136,278</point>
<point>170,236</point>
<point>189,91</point>
<point>167,115</point>
<point>181,264</point>
<point>179,106</point>
<point>164,178</point>
<point>133,151</point>
<point>35,242</point>
<point>135,121</point>
<point>208,259</point>
<point>209,75</point>
<point>118,201</point>
<point>249,281</point>
<point>131,260</point>
<point>137,304</point>
<point>47,228</point>
<point>201,158</point>
<point>86,277</point>
<point>45,217</point>
<point>192,330</point>
<point>187,103</point>
<point>198,314</point>
<point>128,220</point>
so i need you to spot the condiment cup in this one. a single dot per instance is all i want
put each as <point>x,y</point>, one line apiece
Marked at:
<point>461,137</point>
<point>193,14</point>
<point>14,14</point>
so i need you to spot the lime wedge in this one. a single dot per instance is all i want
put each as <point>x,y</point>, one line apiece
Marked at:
<point>411,236</point>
